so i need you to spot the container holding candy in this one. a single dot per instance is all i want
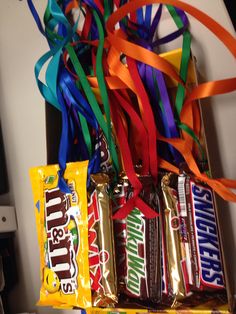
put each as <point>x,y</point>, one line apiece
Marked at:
<point>165,221</point>
<point>198,256</point>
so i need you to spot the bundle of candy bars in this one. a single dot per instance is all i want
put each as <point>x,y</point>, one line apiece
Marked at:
<point>127,216</point>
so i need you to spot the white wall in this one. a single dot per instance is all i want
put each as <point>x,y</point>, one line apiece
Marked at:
<point>22,116</point>
<point>23,126</point>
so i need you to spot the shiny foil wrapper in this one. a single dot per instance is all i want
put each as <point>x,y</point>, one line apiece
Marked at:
<point>186,210</point>
<point>101,243</point>
<point>172,240</point>
<point>138,244</point>
<point>120,194</point>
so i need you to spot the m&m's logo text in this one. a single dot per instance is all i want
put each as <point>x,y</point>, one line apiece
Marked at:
<point>61,253</point>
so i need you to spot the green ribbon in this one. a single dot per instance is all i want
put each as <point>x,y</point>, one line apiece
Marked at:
<point>180,95</point>
<point>93,102</point>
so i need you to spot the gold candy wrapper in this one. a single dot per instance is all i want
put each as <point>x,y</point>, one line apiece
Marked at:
<point>101,243</point>
<point>175,265</point>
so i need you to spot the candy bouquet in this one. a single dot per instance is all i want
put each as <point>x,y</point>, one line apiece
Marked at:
<point>127,217</point>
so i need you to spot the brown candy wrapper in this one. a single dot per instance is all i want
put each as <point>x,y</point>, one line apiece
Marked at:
<point>101,244</point>
<point>138,244</point>
<point>106,164</point>
<point>173,241</point>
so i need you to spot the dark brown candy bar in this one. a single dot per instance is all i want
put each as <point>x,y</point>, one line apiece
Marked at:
<point>138,244</point>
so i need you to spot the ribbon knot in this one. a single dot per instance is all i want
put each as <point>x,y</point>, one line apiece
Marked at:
<point>135,202</point>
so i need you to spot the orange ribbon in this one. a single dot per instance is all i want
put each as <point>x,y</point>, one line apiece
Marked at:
<point>120,78</point>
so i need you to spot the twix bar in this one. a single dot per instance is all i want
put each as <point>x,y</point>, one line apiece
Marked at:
<point>101,244</point>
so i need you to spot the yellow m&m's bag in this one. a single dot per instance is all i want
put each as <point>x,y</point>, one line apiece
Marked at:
<point>62,227</point>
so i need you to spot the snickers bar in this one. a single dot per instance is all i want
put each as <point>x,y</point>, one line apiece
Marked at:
<point>210,275</point>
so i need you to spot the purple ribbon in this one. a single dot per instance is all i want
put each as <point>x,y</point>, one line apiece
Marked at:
<point>164,120</point>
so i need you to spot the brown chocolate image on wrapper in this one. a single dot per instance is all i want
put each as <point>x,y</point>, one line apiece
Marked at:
<point>101,243</point>
<point>106,165</point>
<point>172,240</point>
<point>138,244</point>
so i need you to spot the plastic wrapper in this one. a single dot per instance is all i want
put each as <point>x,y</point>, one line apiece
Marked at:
<point>197,200</point>
<point>173,241</point>
<point>138,244</point>
<point>101,243</point>
<point>62,227</point>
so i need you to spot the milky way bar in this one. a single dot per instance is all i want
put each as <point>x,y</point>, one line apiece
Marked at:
<point>206,238</point>
<point>138,243</point>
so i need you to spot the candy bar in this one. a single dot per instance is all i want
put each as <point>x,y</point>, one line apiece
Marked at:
<point>62,227</point>
<point>101,247</point>
<point>138,240</point>
<point>176,264</point>
<point>210,275</point>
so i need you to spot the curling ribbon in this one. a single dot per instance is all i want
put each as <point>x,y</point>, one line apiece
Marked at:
<point>221,33</point>
<point>143,55</point>
<point>149,75</point>
<point>92,100</point>
<point>52,98</point>
<point>148,118</point>
<point>220,186</point>
<point>140,132</point>
<point>135,201</point>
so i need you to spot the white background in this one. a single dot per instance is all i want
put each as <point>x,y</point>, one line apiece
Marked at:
<point>23,126</point>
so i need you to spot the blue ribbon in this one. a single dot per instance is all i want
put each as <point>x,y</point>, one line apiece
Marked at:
<point>61,91</point>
